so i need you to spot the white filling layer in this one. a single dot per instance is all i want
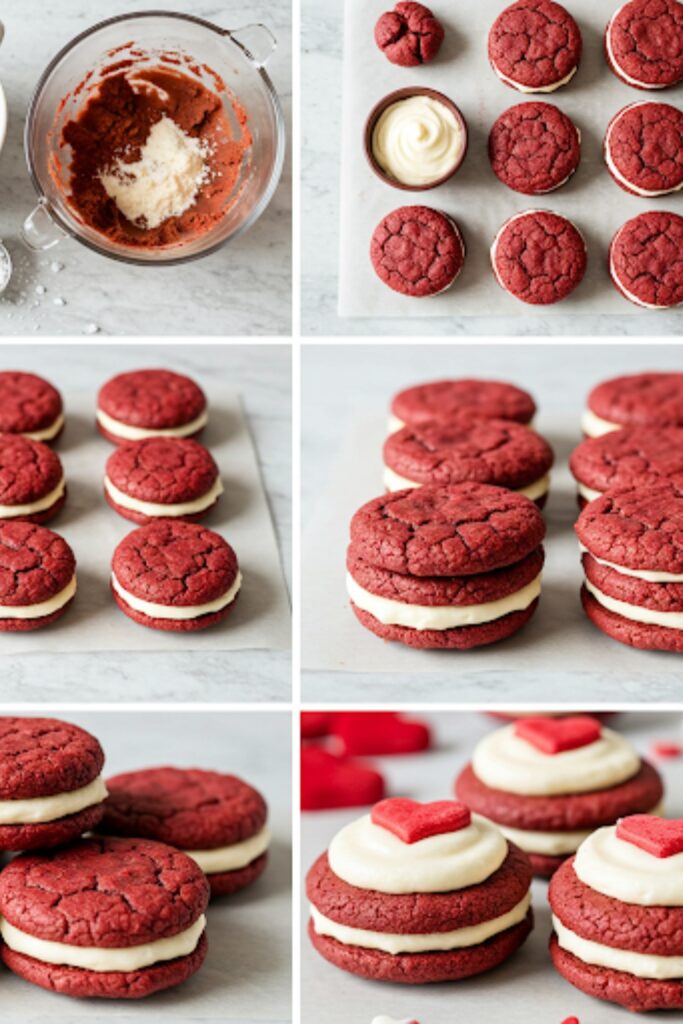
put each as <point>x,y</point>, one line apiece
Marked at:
<point>636,613</point>
<point>461,938</point>
<point>50,808</point>
<point>615,62</point>
<point>421,617</point>
<point>595,426</point>
<point>534,491</point>
<point>149,508</point>
<point>587,492</point>
<point>37,611</point>
<point>623,871</point>
<point>646,193</point>
<point>9,511</point>
<point>552,844</point>
<point>128,433</point>
<point>640,574</point>
<point>537,89</point>
<point>47,433</point>
<point>642,965</point>
<point>395,424</point>
<point>165,611</point>
<point>91,958</point>
<point>231,858</point>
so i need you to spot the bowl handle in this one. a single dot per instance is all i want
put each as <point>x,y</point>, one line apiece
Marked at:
<point>257,41</point>
<point>39,231</point>
<point>2,31</point>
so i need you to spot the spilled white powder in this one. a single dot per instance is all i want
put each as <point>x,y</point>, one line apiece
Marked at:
<point>164,182</point>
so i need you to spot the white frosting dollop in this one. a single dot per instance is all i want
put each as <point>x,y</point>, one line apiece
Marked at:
<point>623,871</point>
<point>418,140</point>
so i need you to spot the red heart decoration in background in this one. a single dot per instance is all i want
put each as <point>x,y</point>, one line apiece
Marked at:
<point>316,724</point>
<point>571,1020</point>
<point>411,821</point>
<point>380,732</point>
<point>665,750</point>
<point>554,735</point>
<point>329,781</point>
<point>660,837</point>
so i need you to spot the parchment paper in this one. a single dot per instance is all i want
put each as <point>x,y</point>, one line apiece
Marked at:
<point>260,618</point>
<point>475,197</point>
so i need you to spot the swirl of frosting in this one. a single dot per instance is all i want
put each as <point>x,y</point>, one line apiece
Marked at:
<point>503,760</point>
<point>623,871</point>
<point>370,857</point>
<point>418,140</point>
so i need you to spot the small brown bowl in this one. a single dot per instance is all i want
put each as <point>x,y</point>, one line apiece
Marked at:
<point>376,113</point>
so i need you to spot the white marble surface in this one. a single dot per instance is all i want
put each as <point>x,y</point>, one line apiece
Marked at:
<point>262,374</point>
<point>244,289</point>
<point>322,26</point>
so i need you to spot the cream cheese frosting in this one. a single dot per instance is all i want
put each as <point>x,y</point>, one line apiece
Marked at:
<point>640,574</point>
<point>595,426</point>
<point>37,810</point>
<point>130,433</point>
<point>418,140</point>
<point>635,612</point>
<point>394,482</point>
<point>642,965</point>
<point>552,844</point>
<point>587,492</point>
<point>37,611</point>
<point>623,871</point>
<point>47,433</point>
<point>231,858</point>
<point>536,89</point>
<point>152,509</point>
<point>164,611</point>
<point>32,507</point>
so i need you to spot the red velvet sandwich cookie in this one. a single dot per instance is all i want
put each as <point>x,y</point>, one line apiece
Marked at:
<point>409,35</point>
<point>106,918</point>
<point>646,260</point>
<point>417,893</point>
<point>630,458</point>
<point>638,400</point>
<point>535,46</point>
<point>162,478</point>
<point>534,148</point>
<point>446,568</point>
<point>644,149</point>
<point>51,789</point>
<point>175,576</point>
<point>32,485</point>
<point>147,403</point>
<point>37,576</point>
<point>618,914</point>
<point>417,251</point>
<point>217,820</point>
<point>633,565</point>
<point>549,782</point>
<point>29,405</point>
<point>539,257</point>
<point>496,452</point>
<point>644,43</point>
<point>442,400</point>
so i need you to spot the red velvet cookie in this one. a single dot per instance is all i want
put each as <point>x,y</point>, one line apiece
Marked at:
<point>161,478</point>
<point>51,761</point>
<point>29,405</point>
<point>634,457</point>
<point>200,812</point>
<point>440,401</point>
<point>539,257</point>
<point>37,576</point>
<point>638,400</point>
<point>144,403</point>
<point>125,898</point>
<point>644,43</point>
<point>535,46</point>
<point>646,260</point>
<point>175,576</point>
<point>32,485</point>
<point>409,35</point>
<point>417,251</point>
<point>644,149</point>
<point>534,148</point>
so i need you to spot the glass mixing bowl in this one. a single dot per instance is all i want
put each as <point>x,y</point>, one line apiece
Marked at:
<point>237,56</point>
<point>3,103</point>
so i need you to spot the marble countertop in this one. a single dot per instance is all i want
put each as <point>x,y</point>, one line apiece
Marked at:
<point>321,82</point>
<point>244,289</point>
<point>262,374</point>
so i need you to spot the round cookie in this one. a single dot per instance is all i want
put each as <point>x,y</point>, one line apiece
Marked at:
<point>646,260</point>
<point>409,35</point>
<point>417,251</point>
<point>175,576</point>
<point>535,46</point>
<point>644,149</point>
<point>162,478</point>
<point>637,400</point>
<point>29,405</point>
<point>32,487</point>
<point>627,458</point>
<point>440,401</point>
<point>123,917</point>
<point>146,403</point>
<point>37,576</point>
<point>644,43</point>
<point>51,791</point>
<point>217,819</point>
<point>539,257</point>
<point>534,148</point>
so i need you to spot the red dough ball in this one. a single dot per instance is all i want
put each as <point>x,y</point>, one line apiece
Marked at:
<point>328,781</point>
<point>409,35</point>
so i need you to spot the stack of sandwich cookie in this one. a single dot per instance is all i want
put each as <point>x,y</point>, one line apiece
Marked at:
<point>535,46</point>
<point>416,893</point>
<point>618,915</point>
<point>644,43</point>
<point>644,149</point>
<point>539,257</point>
<point>442,400</point>
<point>452,568</point>
<point>646,260</point>
<point>37,576</point>
<point>108,918</point>
<point>30,406</point>
<point>51,789</point>
<point>639,400</point>
<point>628,458</point>
<point>32,485</point>
<point>217,820</point>
<point>148,403</point>
<point>548,783</point>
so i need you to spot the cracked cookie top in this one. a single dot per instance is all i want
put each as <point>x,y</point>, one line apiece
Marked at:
<point>539,257</point>
<point>632,457</point>
<point>644,148</point>
<point>441,400</point>
<point>35,564</point>
<point>640,399</point>
<point>534,44</point>
<point>29,470</point>
<point>409,35</point>
<point>417,251</point>
<point>534,148</point>
<point>163,470</point>
<point>152,399</point>
<point>44,757</point>
<point>645,43</point>
<point>27,403</point>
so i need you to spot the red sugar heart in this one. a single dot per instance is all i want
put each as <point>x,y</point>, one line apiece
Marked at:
<point>666,750</point>
<point>554,735</point>
<point>660,837</point>
<point>315,724</point>
<point>411,821</point>
<point>329,781</point>
<point>380,732</point>
<point>571,1020</point>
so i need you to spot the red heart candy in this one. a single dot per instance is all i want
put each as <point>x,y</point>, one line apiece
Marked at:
<point>660,837</point>
<point>664,750</point>
<point>571,1020</point>
<point>315,724</point>
<point>411,821</point>
<point>329,781</point>
<point>380,732</point>
<point>554,735</point>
